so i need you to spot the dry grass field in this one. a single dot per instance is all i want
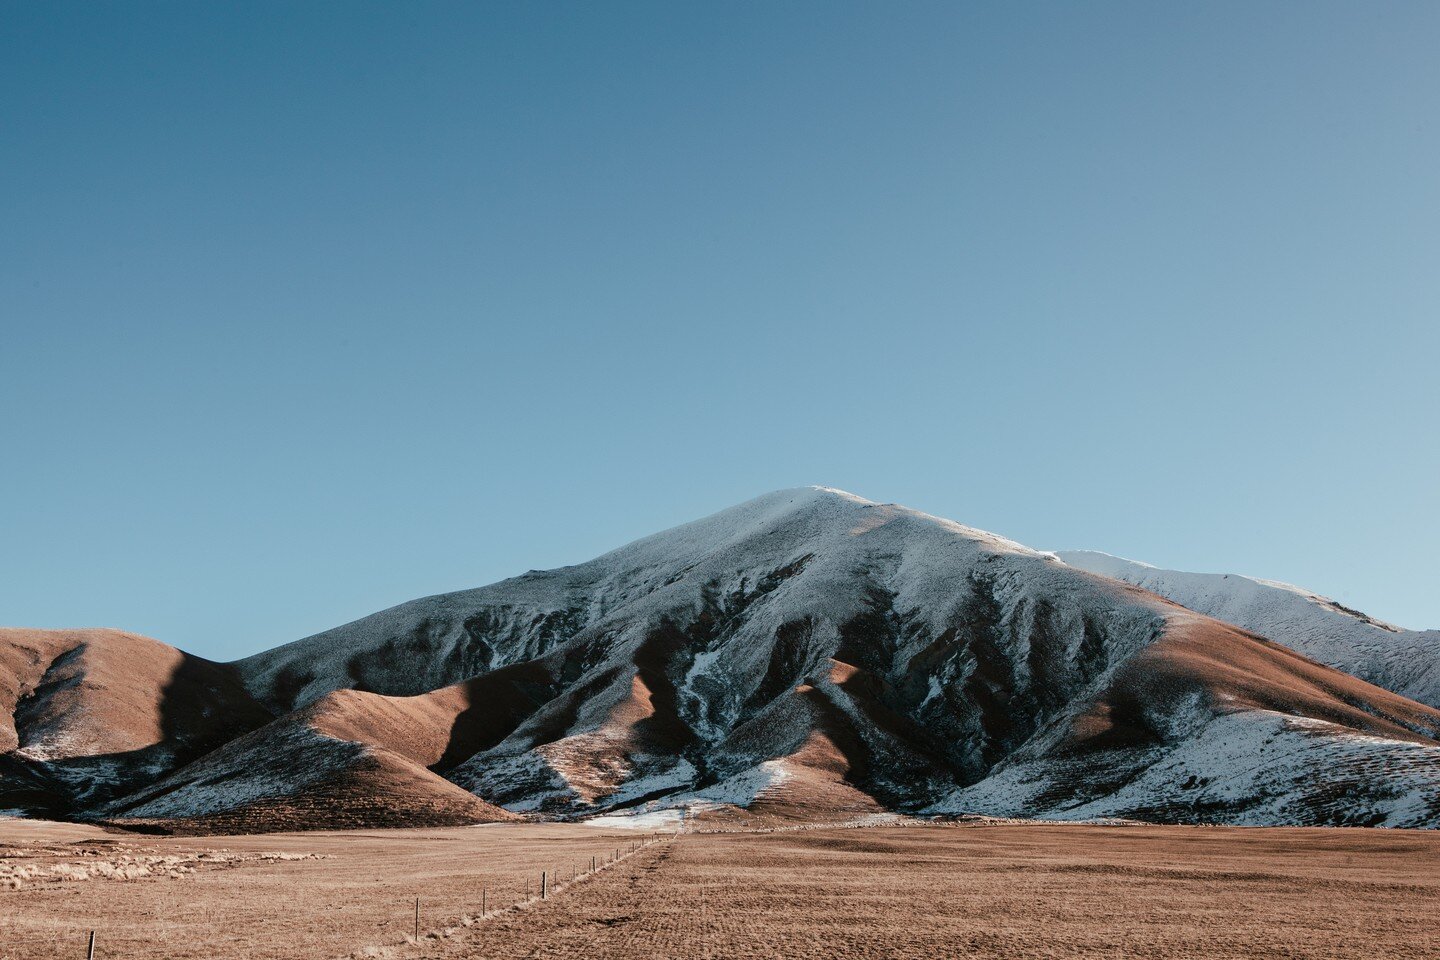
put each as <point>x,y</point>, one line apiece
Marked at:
<point>983,890</point>
<point>332,892</point>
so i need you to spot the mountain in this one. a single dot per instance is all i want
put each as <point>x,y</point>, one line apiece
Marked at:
<point>1404,661</point>
<point>806,655</point>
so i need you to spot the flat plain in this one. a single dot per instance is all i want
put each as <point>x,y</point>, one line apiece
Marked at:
<point>993,890</point>
<point>320,894</point>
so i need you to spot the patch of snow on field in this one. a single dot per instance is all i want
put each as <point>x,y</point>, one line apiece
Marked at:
<point>645,820</point>
<point>740,790</point>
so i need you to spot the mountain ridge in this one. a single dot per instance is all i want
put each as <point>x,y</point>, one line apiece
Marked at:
<point>1405,661</point>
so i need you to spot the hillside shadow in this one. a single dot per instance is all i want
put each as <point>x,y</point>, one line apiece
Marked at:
<point>498,702</point>
<point>201,706</point>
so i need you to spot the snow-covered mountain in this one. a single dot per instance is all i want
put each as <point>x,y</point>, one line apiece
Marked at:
<point>1404,661</point>
<point>806,654</point>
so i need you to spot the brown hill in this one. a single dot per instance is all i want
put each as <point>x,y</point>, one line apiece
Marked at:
<point>84,713</point>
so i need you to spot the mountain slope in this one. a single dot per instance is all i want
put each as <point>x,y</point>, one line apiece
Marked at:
<point>1405,661</point>
<point>84,714</point>
<point>348,760</point>
<point>806,655</point>
<point>1214,724</point>
<point>677,641</point>
<point>861,654</point>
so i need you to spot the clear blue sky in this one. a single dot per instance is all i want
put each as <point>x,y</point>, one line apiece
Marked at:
<point>309,309</point>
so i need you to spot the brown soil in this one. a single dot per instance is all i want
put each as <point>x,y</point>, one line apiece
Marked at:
<point>991,890</point>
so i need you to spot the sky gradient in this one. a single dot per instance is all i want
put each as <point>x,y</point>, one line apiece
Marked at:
<point>309,309</point>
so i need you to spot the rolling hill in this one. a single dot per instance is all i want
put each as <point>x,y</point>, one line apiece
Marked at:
<point>1405,661</point>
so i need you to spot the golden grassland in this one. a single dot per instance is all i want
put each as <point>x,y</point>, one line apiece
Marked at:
<point>985,890</point>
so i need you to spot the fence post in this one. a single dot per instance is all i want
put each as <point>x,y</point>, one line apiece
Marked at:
<point>90,954</point>
<point>417,918</point>
<point>542,885</point>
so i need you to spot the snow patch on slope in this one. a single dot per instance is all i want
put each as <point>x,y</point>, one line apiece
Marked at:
<point>312,758</point>
<point>1251,767</point>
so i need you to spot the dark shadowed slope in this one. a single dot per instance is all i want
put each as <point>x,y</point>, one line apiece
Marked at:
<point>350,759</point>
<point>91,713</point>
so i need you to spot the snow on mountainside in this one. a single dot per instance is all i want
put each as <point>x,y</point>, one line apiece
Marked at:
<point>811,643</point>
<point>1405,661</point>
<point>808,654</point>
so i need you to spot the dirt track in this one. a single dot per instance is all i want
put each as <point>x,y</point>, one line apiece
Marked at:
<point>994,891</point>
